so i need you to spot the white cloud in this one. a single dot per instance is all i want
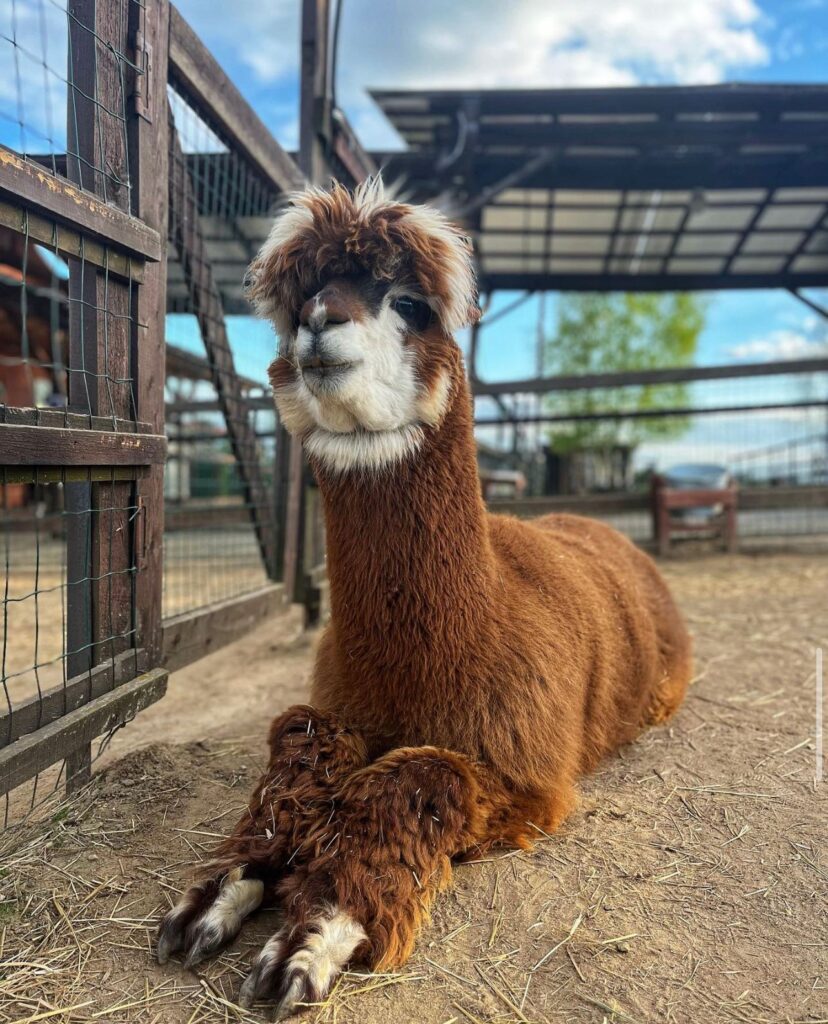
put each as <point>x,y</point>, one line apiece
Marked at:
<point>263,36</point>
<point>489,43</point>
<point>532,43</point>
<point>430,43</point>
<point>780,344</point>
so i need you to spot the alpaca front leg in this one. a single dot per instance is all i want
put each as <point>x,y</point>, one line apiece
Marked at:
<point>370,873</point>
<point>209,915</point>
<point>310,756</point>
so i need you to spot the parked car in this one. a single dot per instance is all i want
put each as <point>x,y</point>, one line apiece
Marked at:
<point>502,483</point>
<point>697,477</point>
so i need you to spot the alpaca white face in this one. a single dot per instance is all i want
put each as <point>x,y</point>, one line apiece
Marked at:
<point>365,294</point>
<point>353,391</point>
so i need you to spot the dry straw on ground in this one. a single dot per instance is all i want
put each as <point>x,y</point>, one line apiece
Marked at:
<point>690,886</point>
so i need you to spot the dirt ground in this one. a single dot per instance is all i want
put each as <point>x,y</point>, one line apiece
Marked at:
<point>690,885</point>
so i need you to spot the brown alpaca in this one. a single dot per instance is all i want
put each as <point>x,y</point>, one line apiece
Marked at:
<point>474,666</point>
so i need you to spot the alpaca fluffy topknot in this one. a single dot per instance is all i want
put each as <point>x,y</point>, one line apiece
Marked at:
<point>326,233</point>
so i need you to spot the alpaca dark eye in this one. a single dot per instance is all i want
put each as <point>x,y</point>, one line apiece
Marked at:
<point>417,314</point>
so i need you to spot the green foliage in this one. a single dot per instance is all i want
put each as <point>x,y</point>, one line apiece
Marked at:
<point>620,331</point>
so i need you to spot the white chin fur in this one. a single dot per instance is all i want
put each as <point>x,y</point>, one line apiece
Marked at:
<point>362,449</point>
<point>373,417</point>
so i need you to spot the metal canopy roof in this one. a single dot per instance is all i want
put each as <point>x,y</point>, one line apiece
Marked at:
<point>626,189</point>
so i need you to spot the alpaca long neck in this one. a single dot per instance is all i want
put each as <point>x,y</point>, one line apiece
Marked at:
<point>406,551</point>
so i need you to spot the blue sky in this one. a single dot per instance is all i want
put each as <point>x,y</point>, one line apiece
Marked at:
<point>486,43</point>
<point>534,43</point>
<point>470,43</point>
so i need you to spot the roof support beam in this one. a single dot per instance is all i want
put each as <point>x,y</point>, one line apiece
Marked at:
<point>820,224</point>
<point>649,282</point>
<point>487,321</point>
<point>810,303</point>
<point>537,163</point>
<point>749,229</point>
<point>634,378</point>
<point>648,414</point>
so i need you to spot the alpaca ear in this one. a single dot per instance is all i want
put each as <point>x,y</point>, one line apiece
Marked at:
<point>253,285</point>
<point>274,280</point>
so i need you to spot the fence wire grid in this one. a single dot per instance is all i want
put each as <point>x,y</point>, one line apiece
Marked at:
<point>70,339</point>
<point>221,534</point>
<point>68,633</point>
<point>52,111</point>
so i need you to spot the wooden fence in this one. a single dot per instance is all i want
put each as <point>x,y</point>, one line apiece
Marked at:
<point>108,218</point>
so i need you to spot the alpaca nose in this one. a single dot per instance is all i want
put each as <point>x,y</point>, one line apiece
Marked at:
<point>325,309</point>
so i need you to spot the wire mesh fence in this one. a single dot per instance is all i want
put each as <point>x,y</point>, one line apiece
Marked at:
<point>68,634</point>
<point>41,289</point>
<point>79,448</point>
<point>768,433</point>
<point>221,524</point>
<point>67,89</point>
<point>211,550</point>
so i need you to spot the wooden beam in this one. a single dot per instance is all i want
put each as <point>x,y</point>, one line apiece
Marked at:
<point>190,636</point>
<point>809,496</point>
<point>99,531</point>
<point>35,712</point>
<point>632,378</point>
<point>750,499</point>
<point>675,282</point>
<point>648,414</point>
<point>348,149</point>
<point>315,131</point>
<point>699,497</point>
<point>193,515</point>
<point>70,420</point>
<point>314,91</point>
<point>37,751</point>
<point>209,312</point>
<point>214,96</point>
<point>31,185</point>
<point>67,475</point>
<point>810,303</point>
<point>583,504</point>
<point>57,446</point>
<point>200,405</point>
<point>149,148</point>
<point>70,242</point>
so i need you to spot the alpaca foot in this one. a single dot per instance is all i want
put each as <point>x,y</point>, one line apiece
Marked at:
<point>371,870</point>
<point>300,965</point>
<point>208,916</point>
<point>311,754</point>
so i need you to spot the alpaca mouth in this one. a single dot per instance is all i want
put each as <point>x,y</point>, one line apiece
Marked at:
<point>320,374</point>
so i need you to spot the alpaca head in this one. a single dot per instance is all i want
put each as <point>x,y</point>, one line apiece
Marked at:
<point>365,294</point>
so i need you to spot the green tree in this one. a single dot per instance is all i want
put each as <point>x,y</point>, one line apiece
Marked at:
<point>620,331</point>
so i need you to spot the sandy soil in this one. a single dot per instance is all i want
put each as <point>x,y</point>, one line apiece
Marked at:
<point>690,885</point>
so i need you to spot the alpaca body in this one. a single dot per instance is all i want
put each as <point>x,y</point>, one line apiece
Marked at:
<point>533,648</point>
<point>475,665</point>
<point>587,651</point>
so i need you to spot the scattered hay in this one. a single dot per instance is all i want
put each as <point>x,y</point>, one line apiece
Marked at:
<point>690,886</point>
